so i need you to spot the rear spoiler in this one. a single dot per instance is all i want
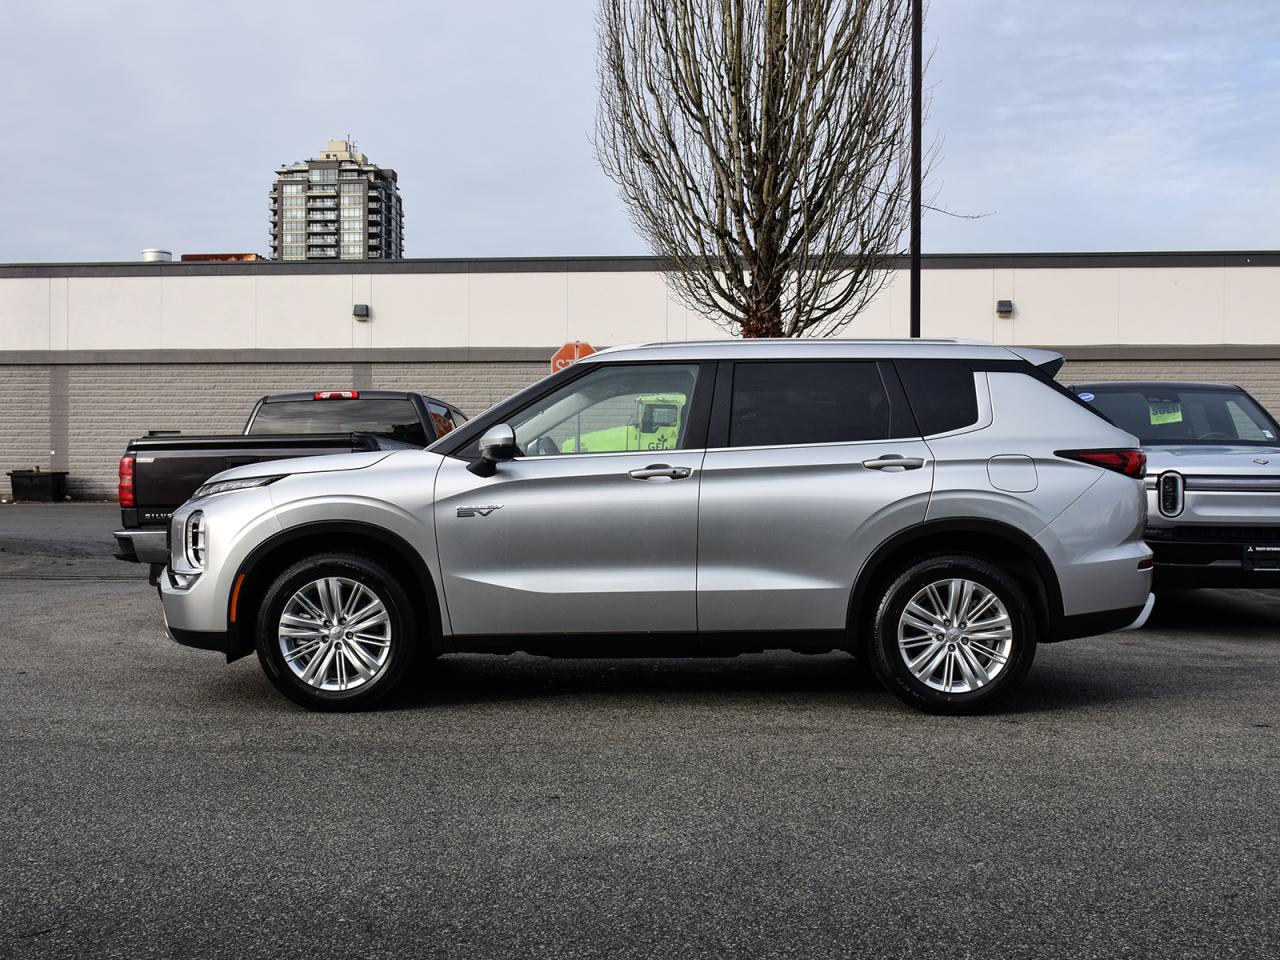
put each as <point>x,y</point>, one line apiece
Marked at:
<point>1047,360</point>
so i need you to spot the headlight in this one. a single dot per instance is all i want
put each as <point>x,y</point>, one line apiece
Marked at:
<point>226,486</point>
<point>193,539</point>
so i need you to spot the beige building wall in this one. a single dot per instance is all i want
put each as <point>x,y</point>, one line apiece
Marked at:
<point>92,355</point>
<point>256,306</point>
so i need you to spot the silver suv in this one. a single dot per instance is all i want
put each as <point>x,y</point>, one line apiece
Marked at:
<point>1213,508</point>
<point>935,507</point>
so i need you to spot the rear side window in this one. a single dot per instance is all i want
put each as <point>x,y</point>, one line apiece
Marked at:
<point>440,419</point>
<point>815,402</point>
<point>393,419</point>
<point>941,394</point>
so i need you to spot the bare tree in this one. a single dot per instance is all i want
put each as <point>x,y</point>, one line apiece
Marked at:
<point>762,148</point>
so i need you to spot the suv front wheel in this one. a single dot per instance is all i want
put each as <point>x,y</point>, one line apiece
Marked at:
<point>336,632</point>
<point>953,634</point>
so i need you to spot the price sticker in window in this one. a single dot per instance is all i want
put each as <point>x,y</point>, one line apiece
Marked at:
<point>1164,413</point>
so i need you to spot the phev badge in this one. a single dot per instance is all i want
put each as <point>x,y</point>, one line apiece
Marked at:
<point>478,511</point>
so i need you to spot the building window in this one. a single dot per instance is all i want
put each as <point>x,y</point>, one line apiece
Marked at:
<point>324,175</point>
<point>294,188</point>
<point>294,251</point>
<point>351,187</point>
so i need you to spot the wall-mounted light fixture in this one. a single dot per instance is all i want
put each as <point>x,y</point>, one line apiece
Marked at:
<point>1004,308</point>
<point>361,312</point>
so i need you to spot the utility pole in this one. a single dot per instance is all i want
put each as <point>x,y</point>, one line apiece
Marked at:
<point>917,86</point>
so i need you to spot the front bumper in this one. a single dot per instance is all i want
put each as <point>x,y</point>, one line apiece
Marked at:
<point>1216,556</point>
<point>223,641</point>
<point>197,602</point>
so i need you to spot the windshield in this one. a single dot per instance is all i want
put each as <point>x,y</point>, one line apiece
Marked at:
<point>1157,414</point>
<point>392,419</point>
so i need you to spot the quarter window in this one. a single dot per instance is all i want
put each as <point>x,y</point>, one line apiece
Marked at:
<point>941,394</point>
<point>787,403</point>
<point>615,408</point>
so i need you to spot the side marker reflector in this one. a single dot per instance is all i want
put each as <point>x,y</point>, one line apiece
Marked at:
<point>235,596</point>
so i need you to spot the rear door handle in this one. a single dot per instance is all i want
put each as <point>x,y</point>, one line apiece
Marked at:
<point>661,471</point>
<point>893,460</point>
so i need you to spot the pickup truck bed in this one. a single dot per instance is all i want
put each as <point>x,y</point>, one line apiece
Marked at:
<point>160,473</point>
<point>167,470</point>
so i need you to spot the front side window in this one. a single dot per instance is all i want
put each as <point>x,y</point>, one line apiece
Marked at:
<point>787,403</point>
<point>615,408</point>
<point>1158,414</point>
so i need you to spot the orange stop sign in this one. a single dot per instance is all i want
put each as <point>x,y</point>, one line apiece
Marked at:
<point>574,350</point>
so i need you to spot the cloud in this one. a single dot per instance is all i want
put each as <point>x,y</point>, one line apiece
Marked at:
<point>1106,125</point>
<point>1089,125</point>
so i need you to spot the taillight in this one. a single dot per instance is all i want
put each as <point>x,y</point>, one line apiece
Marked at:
<point>1132,463</point>
<point>1170,493</point>
<point>124,491</point>
<point>337,395</point>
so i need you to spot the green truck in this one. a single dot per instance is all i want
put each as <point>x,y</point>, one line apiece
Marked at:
<point>656,426</point>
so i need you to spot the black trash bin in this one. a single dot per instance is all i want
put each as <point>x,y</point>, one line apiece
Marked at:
<point>41,486</point>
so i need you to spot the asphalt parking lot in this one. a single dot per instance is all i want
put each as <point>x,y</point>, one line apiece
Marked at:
<point>157,802</point>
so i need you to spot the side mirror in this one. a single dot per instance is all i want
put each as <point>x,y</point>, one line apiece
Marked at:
<point>496,444</point>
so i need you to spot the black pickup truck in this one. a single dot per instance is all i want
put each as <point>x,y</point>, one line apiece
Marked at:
<point>159,473</point>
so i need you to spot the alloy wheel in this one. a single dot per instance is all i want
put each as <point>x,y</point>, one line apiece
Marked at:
<point>335,634</point>
<point>955,636</point>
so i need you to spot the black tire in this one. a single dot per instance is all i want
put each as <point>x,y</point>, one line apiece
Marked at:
<point>888,661</point>
<point>405,646</point>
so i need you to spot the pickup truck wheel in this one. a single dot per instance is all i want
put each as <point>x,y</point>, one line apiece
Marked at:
<point>953,634</point>
<point>336,632</point>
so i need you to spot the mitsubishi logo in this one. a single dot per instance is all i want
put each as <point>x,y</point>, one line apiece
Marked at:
<point>478,511</point>
<point>1261,460</point>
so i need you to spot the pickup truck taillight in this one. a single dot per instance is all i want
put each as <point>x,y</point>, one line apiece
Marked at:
<point>124,492</point>
<point>337,395</point>
<point>1132,463</point>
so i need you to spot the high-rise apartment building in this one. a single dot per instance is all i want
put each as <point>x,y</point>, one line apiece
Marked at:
<point>336,205</point>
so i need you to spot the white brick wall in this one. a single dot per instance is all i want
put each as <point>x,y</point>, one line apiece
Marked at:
<point>110,403</point>
<point>24,420</point>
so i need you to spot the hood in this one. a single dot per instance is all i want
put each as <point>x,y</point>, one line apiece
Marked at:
<point>326,464</point>
<point>1220,460</point>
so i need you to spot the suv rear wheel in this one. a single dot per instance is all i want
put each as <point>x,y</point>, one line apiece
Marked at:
<point>336,632</point>
<point>953,634</point>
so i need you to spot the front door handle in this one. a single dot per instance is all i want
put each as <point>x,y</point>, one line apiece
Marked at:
<point>893,460</point>
<point>661,471</point>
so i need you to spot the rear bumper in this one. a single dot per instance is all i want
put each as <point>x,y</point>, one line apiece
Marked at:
<point>142,546</point>
<point>1105,621</point>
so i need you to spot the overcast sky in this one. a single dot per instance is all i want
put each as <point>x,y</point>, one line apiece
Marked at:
<point>1084,125</point>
